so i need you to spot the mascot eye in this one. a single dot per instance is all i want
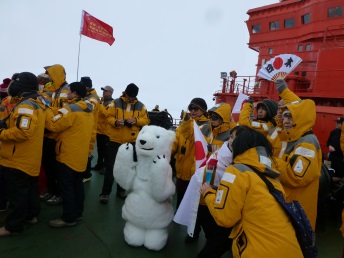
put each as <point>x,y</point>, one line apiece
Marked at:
<point>158,136</point>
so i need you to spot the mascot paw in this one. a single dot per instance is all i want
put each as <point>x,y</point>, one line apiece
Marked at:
<point>125,155</point>
<point>160,164</point>
<point>124,168</point>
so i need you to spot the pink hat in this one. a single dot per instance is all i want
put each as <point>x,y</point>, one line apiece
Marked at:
<point>4,86</point>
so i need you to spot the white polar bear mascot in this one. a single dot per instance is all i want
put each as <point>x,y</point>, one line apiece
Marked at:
<point>148,208</point>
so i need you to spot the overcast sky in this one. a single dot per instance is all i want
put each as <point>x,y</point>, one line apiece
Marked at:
<point>173,50</point>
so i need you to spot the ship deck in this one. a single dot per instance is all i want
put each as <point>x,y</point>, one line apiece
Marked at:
<point>100,234</point>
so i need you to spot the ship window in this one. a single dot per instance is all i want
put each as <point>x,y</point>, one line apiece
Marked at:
<point>256,28</point>
<point>271,50</point>
<point>303,74</point>
<point>306,18</point>
<point>308,47</point>
<point>289,23</point>
<point>299,48</point>
<point>275,25</point>
<point>334,12</point>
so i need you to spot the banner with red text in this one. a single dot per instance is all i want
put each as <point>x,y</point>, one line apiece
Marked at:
<point>96,29</point>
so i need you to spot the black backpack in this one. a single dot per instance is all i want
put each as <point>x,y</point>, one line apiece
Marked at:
<point>325,184</point>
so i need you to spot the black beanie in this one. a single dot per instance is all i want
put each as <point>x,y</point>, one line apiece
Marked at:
<point>199,102</point>
<point>79,88</point>
<point>271,107</point>
<point>132,90</point>
<point>86,81</point>
<point>22,82</point>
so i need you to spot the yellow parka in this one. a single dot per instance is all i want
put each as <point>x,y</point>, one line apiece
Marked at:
<point>103,127</point>
<point>261,228</point>
<point>122,109</point>
<point>93,98</point>
<point>57,91</point>
<point>21,144</point>
<point>288,96</point>
<point>259,125</point>
<point>301,158</point>
<point>218,135</point>
<point>74,125</point>
<point>183,147</point>
<point>5,107</point>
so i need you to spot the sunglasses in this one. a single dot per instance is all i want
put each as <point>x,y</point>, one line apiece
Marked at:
<point>195,108</point>
<point>214,117</point>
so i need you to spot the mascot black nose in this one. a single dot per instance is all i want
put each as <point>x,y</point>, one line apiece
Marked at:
<point>142,142</point>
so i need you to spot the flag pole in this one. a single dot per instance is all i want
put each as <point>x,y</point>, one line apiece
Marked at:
<point>77,72</point>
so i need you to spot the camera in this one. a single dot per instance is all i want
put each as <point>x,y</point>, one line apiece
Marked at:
<point>126,123</point>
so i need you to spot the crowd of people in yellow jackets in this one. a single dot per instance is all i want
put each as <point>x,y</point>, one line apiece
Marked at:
<point>241,201</point>
<point>46,114</point>
<point>61,122</point>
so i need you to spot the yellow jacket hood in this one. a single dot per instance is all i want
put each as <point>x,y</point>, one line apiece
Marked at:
<point>224,110</point>
<point>58,76</point>
<point>304,115</point>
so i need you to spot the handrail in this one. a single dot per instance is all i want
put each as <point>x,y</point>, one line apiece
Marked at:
<point>336,40</point>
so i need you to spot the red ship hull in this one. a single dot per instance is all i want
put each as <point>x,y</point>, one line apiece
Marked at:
<point>312,30</point>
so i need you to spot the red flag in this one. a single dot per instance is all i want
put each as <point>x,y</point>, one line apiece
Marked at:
<point>200,147</point>
<point>96,29</point>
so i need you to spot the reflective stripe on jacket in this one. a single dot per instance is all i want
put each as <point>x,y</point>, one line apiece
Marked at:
<point>93,98</point>
<point>301,157</point>
<point>103,127</point>
<point>22,143</point>
<point>261,228</point>
<point>74,125</point>
<point>122,110</point>
<point>184,148</point>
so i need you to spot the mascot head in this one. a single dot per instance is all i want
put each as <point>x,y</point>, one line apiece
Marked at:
<point>153,141</point>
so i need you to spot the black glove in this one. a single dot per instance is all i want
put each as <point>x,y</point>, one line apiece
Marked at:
<point>250,100</point>
<point>3,124</point>
<point>281,85</point>
<point>210,148</point>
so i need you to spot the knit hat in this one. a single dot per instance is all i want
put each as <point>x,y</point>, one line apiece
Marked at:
<point>79,88</point>
<point>132,90</point>
<point>339,120</point>
<point>199,102</point>
<point>43,78</point>
<point>3,87</point>
<point>22,82</point>
<point>86,81</point>
<point>107,88</point>
<point>271,107</point>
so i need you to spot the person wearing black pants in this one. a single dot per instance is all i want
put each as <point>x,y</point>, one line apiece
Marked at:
<point>111,152</point>
<point>102,142</point>
<point>72,192</point>
<point>217,238</point>
<point>20,157</point>
<point>52,196</point>
<point>103,127</point>
<point>23,195</point>
<point>125,117</point>
<point>73,146</point>
<point>3,198</point>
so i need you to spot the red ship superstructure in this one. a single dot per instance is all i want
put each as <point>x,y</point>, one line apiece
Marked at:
<point>310,29</point>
